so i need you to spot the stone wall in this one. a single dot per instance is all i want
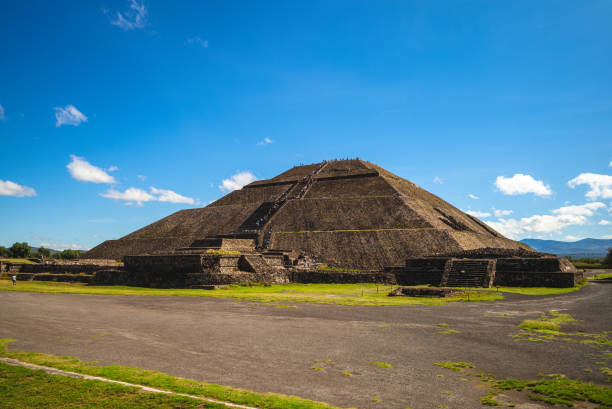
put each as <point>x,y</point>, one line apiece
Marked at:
<point>342,277</point>
<point>536,279</point>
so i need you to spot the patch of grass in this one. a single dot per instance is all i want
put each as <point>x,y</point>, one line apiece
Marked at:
<point>602,276</point>
<point>381,364</point>
<point>376,398</point>
<point>489,401</point>
<point>17,260</point>
<point>442,325</point>
<point>449,331</point>
<point>223,252</point>
<point>549,322</point>
<point>347,373</point>
<point>27,388</point>
<point>316,368</point>
<point>163,381</point>
<point>557,389</point>
<point>337,294</point>
<point>454,366</point>
<point>541,290</point>
<point>285,306</point>
<point>607,371</point>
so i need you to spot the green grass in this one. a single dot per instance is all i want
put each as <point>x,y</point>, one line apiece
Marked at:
<point>549,322</point>
<point>27,388</point>
<point>17,260</point>
<point>381,364</point>
<point>601,276</point>
<point>163,381</point>
<point>338,294</point>
<point>448,331</point>
<point>454,366</point>
<point>223,252</point>
<point>557,389</point>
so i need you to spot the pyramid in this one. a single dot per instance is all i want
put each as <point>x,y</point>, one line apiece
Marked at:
<point>344,213</point>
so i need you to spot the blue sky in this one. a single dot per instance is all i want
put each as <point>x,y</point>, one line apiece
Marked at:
<point>115,114</point>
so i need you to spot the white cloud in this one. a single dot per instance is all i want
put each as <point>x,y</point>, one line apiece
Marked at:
<point>265,141</point>
<point>134,18</point>
<point>601,185</point>
<point>237,181</point>
<point>604,223</point>
<point>170,196</point>
<point>61,246</point>
<point>8,188</point>
<point>477,213</point>
<point>437,179</point>
<point>68,115</point>
<point>502,213</point>
<point>112,169</point>
<point>610,164</point>
<point>520,184</point>
<point>2,116</point>
<point>607,236</point>
<point>142,178</point>
<point>84,171</point>
<point>198,41</point>
<point>134,196</point>
<point>569,237</point>
<point>547,223</point>
<point>131,195</point>
<point>471,196</point>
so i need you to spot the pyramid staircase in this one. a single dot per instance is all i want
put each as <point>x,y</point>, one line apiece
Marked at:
<point>469,273</point>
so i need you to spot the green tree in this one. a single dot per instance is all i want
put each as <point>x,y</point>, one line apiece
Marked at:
<point>607,261</point>
<point>70,254</point>
<point>20,250</point>
<point>43,252</point>
<point>4,252</point>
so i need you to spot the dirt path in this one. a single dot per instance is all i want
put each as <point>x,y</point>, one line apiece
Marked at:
<point>267,349</point>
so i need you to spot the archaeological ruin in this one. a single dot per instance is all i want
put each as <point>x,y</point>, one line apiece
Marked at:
<point>329,222</point>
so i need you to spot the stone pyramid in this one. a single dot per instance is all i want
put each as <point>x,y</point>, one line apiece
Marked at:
<point>345,213</point>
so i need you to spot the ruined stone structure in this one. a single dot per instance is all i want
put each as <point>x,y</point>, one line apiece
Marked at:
<point>346,214</point>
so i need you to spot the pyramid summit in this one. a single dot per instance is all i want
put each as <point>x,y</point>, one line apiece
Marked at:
<point>343,213</point>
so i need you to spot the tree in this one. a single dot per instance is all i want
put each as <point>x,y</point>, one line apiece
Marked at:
<point>43,252</point>
<point>607,261</point>
<point>70,254</point>
<point>20,250</point>
<point>4,252</point>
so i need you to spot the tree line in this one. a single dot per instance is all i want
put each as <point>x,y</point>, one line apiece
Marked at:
<point>23,250</point>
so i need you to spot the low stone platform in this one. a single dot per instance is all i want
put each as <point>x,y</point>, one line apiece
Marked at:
<point>544,271</point>
<point>425,292</point>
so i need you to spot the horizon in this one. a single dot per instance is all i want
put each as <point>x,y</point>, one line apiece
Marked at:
<point>115,115</point>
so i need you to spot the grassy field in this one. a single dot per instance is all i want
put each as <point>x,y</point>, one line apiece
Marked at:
<point>17,260</point>
<point>27,388</point>
<point>135,376</point>
<point>601,276</point>
<point>338,294</point>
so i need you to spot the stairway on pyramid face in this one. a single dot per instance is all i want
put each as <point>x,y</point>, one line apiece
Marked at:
<point>468,273</point>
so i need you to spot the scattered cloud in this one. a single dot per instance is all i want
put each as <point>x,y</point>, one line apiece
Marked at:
<point>134,196</point>
<point>604,223</point>
<point>610,164</point>
<point>547,223</point>
<point>142,178</point>
<point>61,246</point>
<point>131,195</point>
<point>197,41</point>
<point>8,188</point>
<point>136,17</point>
<point>112,169</point>
<point>520,184</point>
<point>607,236</point>
<point>84,171</point>
<point>600,185</point>
<point>68,115</point>
<point>265,141</point>
<point>438,179</point>
<point>164,195</point>
<point>478,214</point>
<point>569,237</point>
<point>501,212</point>
<point>237,181</point>
<point>2,115</point>
<point>471,196</point>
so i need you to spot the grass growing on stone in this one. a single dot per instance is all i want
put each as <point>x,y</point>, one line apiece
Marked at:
<point>163,381</point>
<point>338,294</point>
<point>381,364</point>
<point>28,388</point>
<point>223,252</point>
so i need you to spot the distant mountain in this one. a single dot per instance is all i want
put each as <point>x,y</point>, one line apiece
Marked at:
<point>580,248</point>
<point>35,250</point>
